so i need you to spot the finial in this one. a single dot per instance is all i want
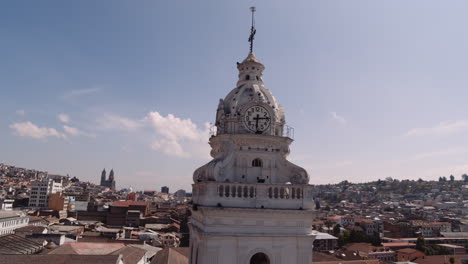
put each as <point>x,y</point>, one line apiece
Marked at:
<point>252,29</point>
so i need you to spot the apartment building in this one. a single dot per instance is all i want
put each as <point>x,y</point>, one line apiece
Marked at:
<point>41,190</point>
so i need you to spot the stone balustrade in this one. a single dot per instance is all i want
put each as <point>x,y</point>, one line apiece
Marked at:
<point>244,195</point>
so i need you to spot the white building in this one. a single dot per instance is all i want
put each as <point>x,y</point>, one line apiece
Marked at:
<point>250,204</point>
<point>40,191</point>
<point>6,204</point>
<point>11,220</point>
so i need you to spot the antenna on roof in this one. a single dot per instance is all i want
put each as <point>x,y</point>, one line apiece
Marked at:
<point>252,29</point>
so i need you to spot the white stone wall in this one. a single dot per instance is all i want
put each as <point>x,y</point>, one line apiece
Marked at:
<point>234,235</point>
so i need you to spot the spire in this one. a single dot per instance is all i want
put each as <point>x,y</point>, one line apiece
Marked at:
<point>103,176</point>
<point>111,175</point>
<point>252,29</point>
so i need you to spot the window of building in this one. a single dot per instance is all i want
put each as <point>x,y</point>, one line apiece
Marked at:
<point>257,163</point>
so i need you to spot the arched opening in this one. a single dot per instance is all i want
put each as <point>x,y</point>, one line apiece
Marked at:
<point>259,258</point>
<point>247,77</point>
<point>257,163</point>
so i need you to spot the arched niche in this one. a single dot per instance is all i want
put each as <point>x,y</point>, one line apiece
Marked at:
<point>259,258</point>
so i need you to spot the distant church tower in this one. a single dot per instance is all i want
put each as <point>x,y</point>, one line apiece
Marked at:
<point>110,182</point>
<point>250,204</point>
<point>103,177</point>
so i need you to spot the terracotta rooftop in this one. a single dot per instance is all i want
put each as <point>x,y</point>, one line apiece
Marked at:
<point>367,261</point>
<point>177,255</point>
<point>398,244</point>
<point>87,248</point>
<point>408,250</point>
<point>131,255</point>
<point>128,203</point>
<point>365,247</point>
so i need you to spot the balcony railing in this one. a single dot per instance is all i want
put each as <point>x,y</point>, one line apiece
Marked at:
<point>245,195</point>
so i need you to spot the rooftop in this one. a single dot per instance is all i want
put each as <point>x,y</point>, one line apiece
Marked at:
<point>14,244</point>
<point>61,259</point>
<point>128,203</point>
<point>10,214</point>
<point>87,248</point>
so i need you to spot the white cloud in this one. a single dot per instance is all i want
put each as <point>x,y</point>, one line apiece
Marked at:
<point>28,129</point>
<point>81,92</point>
<point>338,118</point>
<point>447,127</point>
<point>176,136</point>
<point>63,118</point>
<point>169,147</point>
<point>73,131</point>
<point>176,128</point>
<point>110,121</point>
<point>20,112</point>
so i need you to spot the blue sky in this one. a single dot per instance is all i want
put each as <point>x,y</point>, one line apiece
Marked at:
<point>374,89</point>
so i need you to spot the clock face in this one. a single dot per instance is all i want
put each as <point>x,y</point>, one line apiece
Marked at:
<point>257,119</point>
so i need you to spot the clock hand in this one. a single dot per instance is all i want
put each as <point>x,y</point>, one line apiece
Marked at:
<point>256,121</point>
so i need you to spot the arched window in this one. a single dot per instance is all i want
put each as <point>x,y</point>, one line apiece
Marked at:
<point>259,258</point>
<point>221,191</point>
<point>257,163</point>
<point>247,77</point>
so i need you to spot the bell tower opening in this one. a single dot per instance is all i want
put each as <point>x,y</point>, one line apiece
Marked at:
<point>260,258</point>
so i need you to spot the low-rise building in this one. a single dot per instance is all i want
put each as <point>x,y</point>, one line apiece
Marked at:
<point>409,254</point>
<point>371,252</point>
<point>325,242</point>
<point>11,220</point>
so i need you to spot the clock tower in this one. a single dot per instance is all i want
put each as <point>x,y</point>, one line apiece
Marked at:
<point>250,204</point>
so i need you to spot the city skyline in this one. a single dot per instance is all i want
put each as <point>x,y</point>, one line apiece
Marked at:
<point>365,85</point>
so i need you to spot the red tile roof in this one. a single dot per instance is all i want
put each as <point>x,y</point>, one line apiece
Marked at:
<point>128,203</point>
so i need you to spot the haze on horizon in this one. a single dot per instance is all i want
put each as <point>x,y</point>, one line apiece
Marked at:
<point>373,89</point>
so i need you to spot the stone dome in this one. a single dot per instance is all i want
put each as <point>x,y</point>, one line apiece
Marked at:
<point>250,90</point>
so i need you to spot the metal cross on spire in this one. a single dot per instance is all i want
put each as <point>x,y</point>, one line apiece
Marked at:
<point>252,29</point>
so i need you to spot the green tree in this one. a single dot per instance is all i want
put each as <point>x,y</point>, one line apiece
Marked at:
<point>75,179</point>
<point>336,230</point>
<point>465,177</point>
<point>452,260</point>
<point>421,244</point>
<point>452,178</point>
